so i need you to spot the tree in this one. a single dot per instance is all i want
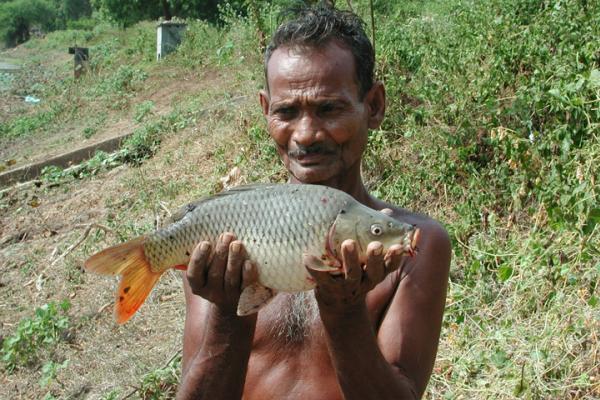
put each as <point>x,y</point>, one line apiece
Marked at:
<point>127,12</point>
<point>17,17</point>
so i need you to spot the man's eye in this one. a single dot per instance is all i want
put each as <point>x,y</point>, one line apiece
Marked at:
<point>285,112</point>
<point>327,108</point>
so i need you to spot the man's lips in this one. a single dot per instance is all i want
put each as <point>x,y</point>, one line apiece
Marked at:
<point>311,159</point>
<point>315,154</point>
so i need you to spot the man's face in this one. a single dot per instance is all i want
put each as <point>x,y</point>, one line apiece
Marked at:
<point>314,112</point>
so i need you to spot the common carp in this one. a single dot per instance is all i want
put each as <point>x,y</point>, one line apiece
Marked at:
<point>279,225</point>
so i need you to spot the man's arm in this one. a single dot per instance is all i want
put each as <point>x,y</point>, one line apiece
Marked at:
<point>217,342</point>
<point>395,363</point>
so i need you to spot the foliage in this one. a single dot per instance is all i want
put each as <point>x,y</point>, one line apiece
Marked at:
<point>26,124</point>
<point>126,13</point>
<point>516,108</point>
<point>17,17</point>
<point>142,110</point>
<point>34,334</point>
<point>493,126</point>
<point>161,383</point>
<point>50,371</point>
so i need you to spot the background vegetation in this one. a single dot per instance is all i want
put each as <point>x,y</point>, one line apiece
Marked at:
<point>492,128</point>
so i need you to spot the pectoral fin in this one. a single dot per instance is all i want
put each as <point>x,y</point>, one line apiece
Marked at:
<point>253,298</point>
<point>317,264</point>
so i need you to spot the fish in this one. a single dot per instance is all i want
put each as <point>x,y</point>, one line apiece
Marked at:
<point>280,225</point>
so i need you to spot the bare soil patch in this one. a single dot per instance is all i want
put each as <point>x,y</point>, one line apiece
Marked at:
<point>164,92</point>
<point>39,224</point>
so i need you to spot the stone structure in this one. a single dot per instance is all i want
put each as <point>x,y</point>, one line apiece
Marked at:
<point>168,36</point>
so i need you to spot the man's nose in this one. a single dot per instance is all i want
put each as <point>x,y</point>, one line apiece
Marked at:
<point>307,130</point>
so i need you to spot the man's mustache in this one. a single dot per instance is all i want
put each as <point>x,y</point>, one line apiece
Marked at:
<point>316,148</point>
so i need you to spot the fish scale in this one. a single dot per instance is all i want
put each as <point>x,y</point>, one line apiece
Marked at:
<point>276,230</point>
<point>278,224</point>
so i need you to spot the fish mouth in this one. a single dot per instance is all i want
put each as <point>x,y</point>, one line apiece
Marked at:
<point>330,249</point>
<point>330,245</point>
<point>413,249</point>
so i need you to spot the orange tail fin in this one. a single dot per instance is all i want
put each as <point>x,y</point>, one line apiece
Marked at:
<point>137,279</point>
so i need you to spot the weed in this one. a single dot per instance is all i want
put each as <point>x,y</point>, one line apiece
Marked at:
<point>162,382</point>
<point>142,110</point>
<point>100,162</point>
<point>125,80</point>
<point>89,131</point>
<point>50,371</point>
<point>42,331</point>
<point>112,395</point>
<point>27,125</point>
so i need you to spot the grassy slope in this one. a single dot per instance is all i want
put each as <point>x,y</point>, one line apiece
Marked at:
<point>492,128</point>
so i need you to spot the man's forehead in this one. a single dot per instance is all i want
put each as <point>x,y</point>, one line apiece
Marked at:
<point>296,60</point>
<point>331,50</point>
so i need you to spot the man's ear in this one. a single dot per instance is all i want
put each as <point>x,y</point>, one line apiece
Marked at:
<point>264,101</point>
<point>375,102</point>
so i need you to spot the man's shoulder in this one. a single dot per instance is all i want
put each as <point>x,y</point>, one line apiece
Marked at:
<point>433,247</point>
<point>428,226</point>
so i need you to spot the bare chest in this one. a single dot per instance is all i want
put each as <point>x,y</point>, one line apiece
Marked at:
<point>282,369</point>
<point>290,358</point>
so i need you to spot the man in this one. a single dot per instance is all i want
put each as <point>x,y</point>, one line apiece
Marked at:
<point>370,333</point>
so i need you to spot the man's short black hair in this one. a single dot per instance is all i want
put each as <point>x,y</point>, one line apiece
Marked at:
<point>315,26</point>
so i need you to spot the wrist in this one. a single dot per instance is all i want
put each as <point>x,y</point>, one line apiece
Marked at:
<point>225,316</point>
<point>343,315</point>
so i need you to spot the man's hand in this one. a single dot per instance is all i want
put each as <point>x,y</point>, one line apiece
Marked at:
<point>221,276</point>
<point>339,292</point>
<point>217,343</point>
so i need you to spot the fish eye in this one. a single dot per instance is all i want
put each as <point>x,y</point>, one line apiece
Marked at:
<point>376,229</point>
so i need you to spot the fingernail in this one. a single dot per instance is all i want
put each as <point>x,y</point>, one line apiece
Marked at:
<point>350,247</point>
<point>204,246</point>
<point>378,250</point>
<point>235,247</point>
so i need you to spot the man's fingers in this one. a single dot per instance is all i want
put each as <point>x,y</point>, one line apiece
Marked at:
<point>352,268</point>
<point>375,269</point>
<point>393,258</point>
<point>233,272</point>
<point>218,264</point>
<point>196,271</point>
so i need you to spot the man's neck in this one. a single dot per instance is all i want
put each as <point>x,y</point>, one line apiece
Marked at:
<point>350,183</point>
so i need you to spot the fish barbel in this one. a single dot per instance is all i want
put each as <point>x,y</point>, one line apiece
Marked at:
<point>279,225</point>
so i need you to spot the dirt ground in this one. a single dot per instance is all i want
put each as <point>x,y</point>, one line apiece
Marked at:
<point>64,138</point>
<point>48,230</point>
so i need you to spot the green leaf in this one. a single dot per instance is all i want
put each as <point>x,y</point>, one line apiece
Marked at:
<point>594,79</point>
<point>500,358</point>
<point>555,93</point>
<point>591,221</point>
<point>504,273</point>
